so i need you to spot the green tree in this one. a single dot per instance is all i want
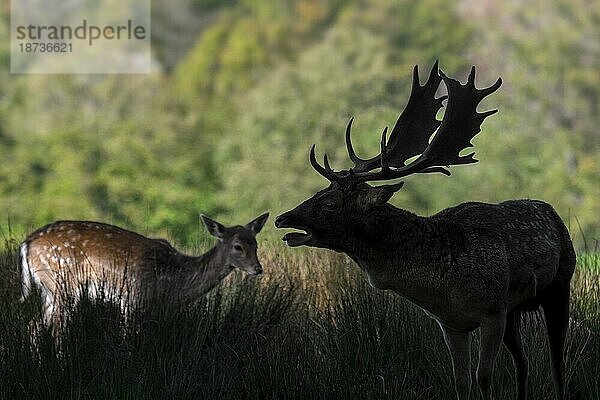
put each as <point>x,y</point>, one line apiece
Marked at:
<point>355,70</point>
<point>104,148</point>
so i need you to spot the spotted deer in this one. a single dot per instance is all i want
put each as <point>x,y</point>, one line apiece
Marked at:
<point>475,265</point>
<point>66,257</point>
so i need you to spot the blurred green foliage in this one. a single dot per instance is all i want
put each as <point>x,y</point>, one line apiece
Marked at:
<point>223,126</point>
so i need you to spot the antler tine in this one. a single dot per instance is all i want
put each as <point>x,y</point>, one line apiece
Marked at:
<point>487,91</point>
<point>416,82</point>
<point>433,81</point>
<point>326,172</point>
<point>384,163</point>
<point>471,83</point>
<point>326,163</point>
<point>437,170</point>
<point>355,159</point>
<point>471,79</point>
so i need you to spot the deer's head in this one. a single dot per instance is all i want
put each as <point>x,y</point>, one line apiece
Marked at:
<point>334,216</point>
<point>337,214</point>
<point>238,243</point>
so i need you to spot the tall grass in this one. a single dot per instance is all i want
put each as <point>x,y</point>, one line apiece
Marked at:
<point>310,328</point>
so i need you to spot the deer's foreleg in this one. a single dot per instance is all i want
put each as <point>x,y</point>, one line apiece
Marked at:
<point>492,333</point>
<point>459,344</point>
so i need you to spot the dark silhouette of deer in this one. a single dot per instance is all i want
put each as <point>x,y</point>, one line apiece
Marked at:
<point>475,265</point>
<point>65,257</point>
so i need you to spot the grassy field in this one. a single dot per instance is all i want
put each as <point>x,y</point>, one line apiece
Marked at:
<point>310,328</point>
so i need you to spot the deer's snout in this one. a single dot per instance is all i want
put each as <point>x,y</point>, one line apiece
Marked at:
<point>258,269</point>
<point>283,220</point>
<point>280,220</point>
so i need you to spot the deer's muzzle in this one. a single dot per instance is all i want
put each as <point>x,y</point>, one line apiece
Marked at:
<point>293,239</point>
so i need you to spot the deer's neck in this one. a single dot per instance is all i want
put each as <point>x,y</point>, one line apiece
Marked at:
<point>200,274</point>
<point>406,253</point>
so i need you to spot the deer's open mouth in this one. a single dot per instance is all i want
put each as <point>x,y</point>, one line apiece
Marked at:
<point>295,239</point>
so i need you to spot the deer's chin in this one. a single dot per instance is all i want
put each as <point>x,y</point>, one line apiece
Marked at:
<point>295,239</point>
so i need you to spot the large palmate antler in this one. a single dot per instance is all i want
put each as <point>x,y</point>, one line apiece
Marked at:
<point>414,126</point>
<point>411,133</point>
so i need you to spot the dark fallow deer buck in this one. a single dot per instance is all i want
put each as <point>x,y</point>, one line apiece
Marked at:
<point>71,256</point>
<point>475,265</point>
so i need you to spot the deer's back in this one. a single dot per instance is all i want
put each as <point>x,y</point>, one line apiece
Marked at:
<point>93,249</point>
<point>524,225</point>
<point>527,235</point>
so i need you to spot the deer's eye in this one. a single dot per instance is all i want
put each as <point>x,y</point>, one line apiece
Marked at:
<point>328,205</point>
<point>237,247</point>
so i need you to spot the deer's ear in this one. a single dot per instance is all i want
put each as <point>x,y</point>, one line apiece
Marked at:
<point>257,224</point>
<point>378,195</point>
<point>213,227</point>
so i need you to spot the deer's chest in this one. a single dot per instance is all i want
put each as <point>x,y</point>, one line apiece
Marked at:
<point>377,274</point>
<point>379,280</point>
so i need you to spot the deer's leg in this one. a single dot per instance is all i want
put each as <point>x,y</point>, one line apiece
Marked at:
<point>459,344</point>
<point>49,308</point>
<point>512,341</point>
<point>556,311</point>
<point>492,332</point>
